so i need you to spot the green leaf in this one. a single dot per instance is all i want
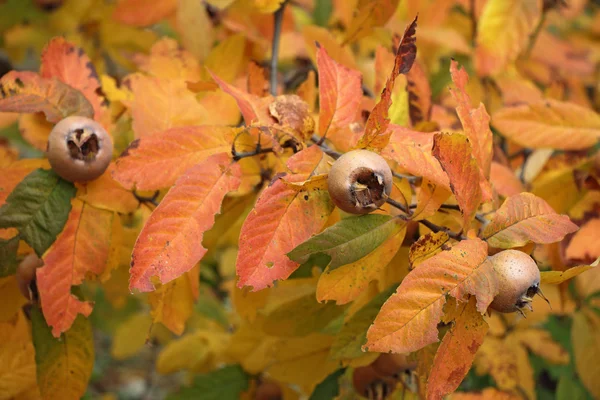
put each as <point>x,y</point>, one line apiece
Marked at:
<point>570,388</point>
<point>38,207</point>
<point>349,240</point>
<point>8,256</point>
<point>322,12</point>
<point>223,384</point>
<point>64,365</point>
<point>348,342</point>
<point>329,388</point>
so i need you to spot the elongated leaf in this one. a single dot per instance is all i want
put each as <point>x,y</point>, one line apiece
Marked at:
<point>157,161</point>
<point>347,282</point>
<point>349,240</point>
<point>556,277</point>
<point>226,383</point>
<point>340,93</point>
<point>8,256</point>
<point>412,151</point>
<point>549,124</point>
<point>408,320</point>
<point>106,193</point>
<point>172,304</point>
<point>454,153</point>
<point>526,218</point>
<point>38,207</point>
<point>65,61</point>
<point>13,174</point>
<point>170,242</point>
<point>503,31</point>
<point>64,366</point>
<point>475,121</point>
<point>457,351</point>
<point>376,134</point>
<point>353,335</point>
<point>427,246</point>
<point>27,92</point>
<point>282,218</point>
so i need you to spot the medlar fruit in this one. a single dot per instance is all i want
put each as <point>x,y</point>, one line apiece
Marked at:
<point>519,280</point>
<point>79,149</point>
<point>360,181</point>
<point>392,365</point>
<point>26,273</point>
<point>368,383</point>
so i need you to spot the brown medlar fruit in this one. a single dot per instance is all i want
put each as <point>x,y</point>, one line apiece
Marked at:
<point>392,365</point>
<point>268,390</point>
<point>26,273</point>
<point>79,149</point>
<point>518,278</point>
<point>368,383</point>
<point>360,181</point>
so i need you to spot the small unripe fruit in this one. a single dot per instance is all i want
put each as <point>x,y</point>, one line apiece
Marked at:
<point>518,278</point>
<point>360,181</point>
<point>268,390</point>
<point>79,149</point>
<point>26,273</point>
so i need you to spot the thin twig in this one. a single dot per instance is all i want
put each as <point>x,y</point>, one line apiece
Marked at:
<point>436,228</point>
<point>277,22</point>
<point>398,205</point>
<point>473,16</point>
<point>238,156</point>
<point>326,149</point>
<point>410,178</point>
<point>145,199</point>
<point>533,37</point>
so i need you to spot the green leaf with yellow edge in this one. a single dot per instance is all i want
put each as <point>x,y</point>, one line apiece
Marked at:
<point>38,207</point>
<point>64,365</point>
<point>348,342</point>
<point>585,336</point>
<point>349,240</point>
<point>8,256</point>
<point>17,369</point>
<point>525,218</point>
<point>301,316</point>
<point>27,92</point>
<point>226,383</point>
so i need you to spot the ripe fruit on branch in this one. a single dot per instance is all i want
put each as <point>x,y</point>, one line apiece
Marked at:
<point>392,365</point>
<point>368,383</point>
<point>79,149</point>
<point>26,272</point>
<point>360,181</point>
<point>268,390</point>
<point>519,280</point>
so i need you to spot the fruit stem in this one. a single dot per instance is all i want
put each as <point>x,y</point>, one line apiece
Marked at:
<point>398,205</point>
<point>436,228</point>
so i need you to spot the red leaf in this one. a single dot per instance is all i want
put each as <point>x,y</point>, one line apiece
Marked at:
<point>376,134</point>
<point>282,218</point>
<point>27,92</point>
<point>170,242</point>
<point>456,352</point>
<point>525,218</point>
<point>157,161</point>
<point>340,93</point>
<point>69,63</point>
<point>453,151</point>
<point>408,320</point>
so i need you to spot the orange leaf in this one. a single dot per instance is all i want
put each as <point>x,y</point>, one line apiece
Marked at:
<point>408,320</point>
<point>487,394</point>
<point>82,247</point>
<point>376,134</point>
<point>35,128</point>
<point>504,180</point>
<point>170,242</point>
<point>172,304</point>
<point>282,218</point>
<point>412,151</point>
<point>475,121</point>
<point>526,218</point>
<point>106,193</point>
<point>169,61</point>
<point>143,12</point>
<point>457,351</point>
<point>340,93</point>
<point>257,82</point>
<point>549,124</point>
<point>419,94</point>
<point>585,245</point>
<point>27,92</point>
<point>11,175</point>
<point>429,199</point>
<point>254,109</point>
<point>454,153</point>
<point>157,161</point>
<point>69,63</point>
<point>160,104</point>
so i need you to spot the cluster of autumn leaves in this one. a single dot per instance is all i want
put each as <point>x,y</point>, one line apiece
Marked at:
<point>190,190</point>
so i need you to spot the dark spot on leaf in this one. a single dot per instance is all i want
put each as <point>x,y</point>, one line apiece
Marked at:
<point>19,83</point>
<point>132,146</point>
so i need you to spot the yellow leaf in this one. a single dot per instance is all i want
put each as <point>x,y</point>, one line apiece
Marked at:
<point>549,124</point>
<point>251,348</point>
<point>227,58</point>
<point>503,31</point>
<point>585,336</point>
<point>263,6</point>
<point>196,352</point>
<point>11,299</point>
<point>131,336</point>
<point>496,358</point>
<point>540,342</point>
<point>17,369</point>
<point>325,38</point>
<point>556,277</point>
<point>172,304</point>
<point>247,303</point>
<point>195,28</point>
